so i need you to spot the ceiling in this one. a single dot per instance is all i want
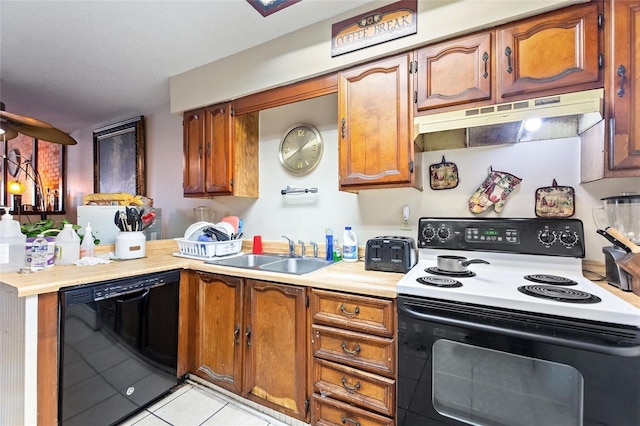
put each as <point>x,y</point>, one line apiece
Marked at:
<point>77,64</point>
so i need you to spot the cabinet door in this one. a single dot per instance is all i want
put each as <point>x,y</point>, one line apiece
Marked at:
<point>275,347</point>
<point>557,52</point>
<point>218,354</point>
<point>374,125</point>
<point>623,98</point>
<point>454,72</point>
<point>193,151</point>
<point>218,146</point>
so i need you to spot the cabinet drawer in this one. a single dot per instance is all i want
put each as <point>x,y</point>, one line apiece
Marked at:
<point>371,353</point>
<point>359,313</point>
<point>327,411</point>
<point>367,390</point>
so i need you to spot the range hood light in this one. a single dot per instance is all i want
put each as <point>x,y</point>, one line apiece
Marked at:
<point>532,124</point>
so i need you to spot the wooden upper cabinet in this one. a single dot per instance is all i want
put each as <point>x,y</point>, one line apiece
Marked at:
<point>623,100</point>
<point>193,125</point>
<point>375,140</point>
<point>455,72</point>
<point>220,152</point>
<point>553,53</point>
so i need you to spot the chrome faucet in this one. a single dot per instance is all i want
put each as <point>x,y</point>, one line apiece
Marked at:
<point>315,248</point>
<point>292,246</point>
<point>303,250</point>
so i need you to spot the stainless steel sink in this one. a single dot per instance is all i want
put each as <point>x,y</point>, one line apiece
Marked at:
<point>246,261</point>
<point>274,263</point>
<point>297,266</point>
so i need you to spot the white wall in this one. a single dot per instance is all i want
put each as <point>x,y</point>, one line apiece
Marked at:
<point>371,212</point>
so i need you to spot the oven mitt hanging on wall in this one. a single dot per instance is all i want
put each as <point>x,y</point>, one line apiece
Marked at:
<point>555,201</point>
<point>494,191</point>
<point>443,175</point>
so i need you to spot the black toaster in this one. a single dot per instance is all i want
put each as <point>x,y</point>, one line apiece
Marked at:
<point>390,254</point>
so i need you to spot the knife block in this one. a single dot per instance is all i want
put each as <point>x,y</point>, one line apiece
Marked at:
<point>614,274</point>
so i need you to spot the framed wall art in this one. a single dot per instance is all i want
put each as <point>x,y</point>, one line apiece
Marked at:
<point>118,158</point>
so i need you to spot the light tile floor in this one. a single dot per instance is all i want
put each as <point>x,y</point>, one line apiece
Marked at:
<point>196,405</point>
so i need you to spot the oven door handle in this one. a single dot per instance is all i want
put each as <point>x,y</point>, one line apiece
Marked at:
<point>628,351</point>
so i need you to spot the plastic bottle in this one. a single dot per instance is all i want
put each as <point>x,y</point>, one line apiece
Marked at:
<point>350,245</point>
<point>87,247</point>
<point>12,244</point>
<point>329,243</point>
<point>67,246</point>
<point>337,254</point>
<point>39,253</point>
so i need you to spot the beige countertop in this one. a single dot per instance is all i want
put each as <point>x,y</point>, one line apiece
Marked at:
<point>348,277</point>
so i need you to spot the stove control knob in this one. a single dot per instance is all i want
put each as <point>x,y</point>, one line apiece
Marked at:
<point>569,238</point>
<point>443,233</point>
<point>547,237</point>
<point>428,233</point>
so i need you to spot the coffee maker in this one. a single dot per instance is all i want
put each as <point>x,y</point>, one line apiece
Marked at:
<point>621,212</point>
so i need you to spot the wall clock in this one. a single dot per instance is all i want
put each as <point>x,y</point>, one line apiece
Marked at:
<point>300,149</point>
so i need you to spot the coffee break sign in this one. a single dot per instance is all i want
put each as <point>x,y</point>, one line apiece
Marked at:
<point>378,26</point>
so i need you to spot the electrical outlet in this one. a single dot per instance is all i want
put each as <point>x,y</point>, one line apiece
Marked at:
<point>405,226</point>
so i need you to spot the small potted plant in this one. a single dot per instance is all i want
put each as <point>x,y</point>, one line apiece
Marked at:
<point>47,228</point>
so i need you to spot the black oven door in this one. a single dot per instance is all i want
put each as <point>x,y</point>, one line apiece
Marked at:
<point>461,364</point>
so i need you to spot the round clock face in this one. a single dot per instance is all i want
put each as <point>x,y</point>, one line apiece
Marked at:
<point>301,149</point>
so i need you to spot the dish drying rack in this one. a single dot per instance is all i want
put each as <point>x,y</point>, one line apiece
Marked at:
<point>207,250</point>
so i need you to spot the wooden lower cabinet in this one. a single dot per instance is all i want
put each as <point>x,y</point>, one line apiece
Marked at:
<point>250,337</point>
<point>354,347</point>
<point>276,347</point>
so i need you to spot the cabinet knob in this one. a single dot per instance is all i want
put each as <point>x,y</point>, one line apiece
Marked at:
<point>485,59</point>
<point>343,127</point>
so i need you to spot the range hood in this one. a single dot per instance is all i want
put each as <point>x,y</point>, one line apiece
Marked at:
<point>585,106</point>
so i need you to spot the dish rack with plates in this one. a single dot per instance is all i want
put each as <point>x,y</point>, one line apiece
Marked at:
<point>207,250</point>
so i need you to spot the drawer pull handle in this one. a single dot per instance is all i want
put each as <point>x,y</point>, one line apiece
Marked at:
<point>347,419</point>
<point>356,311</point>
<point>355,350</point>
<point>354,388</point>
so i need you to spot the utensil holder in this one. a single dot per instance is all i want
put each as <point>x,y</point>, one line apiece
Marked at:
<point>131,245</point>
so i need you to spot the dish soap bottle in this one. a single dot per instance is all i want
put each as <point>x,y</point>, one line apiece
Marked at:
<point>329,244</point>
<point>87,247</point>
<point>12,244</point>
<point>67,246</point>
<point>350,247</point>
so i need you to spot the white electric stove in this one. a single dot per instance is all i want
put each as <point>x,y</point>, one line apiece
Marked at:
<point>535,266</point>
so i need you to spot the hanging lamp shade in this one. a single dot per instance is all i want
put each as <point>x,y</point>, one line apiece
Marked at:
<point>13,124</point>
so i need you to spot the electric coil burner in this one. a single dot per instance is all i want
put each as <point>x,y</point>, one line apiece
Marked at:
<point>439,282</point>
<point>437,271</point>
<point>550,279</point>
<point>560,294</point>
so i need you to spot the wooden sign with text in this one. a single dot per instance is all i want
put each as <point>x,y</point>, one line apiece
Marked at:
<point>378,26</point>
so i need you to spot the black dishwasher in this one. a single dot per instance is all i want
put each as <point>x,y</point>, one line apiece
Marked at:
<point>118,347</point>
